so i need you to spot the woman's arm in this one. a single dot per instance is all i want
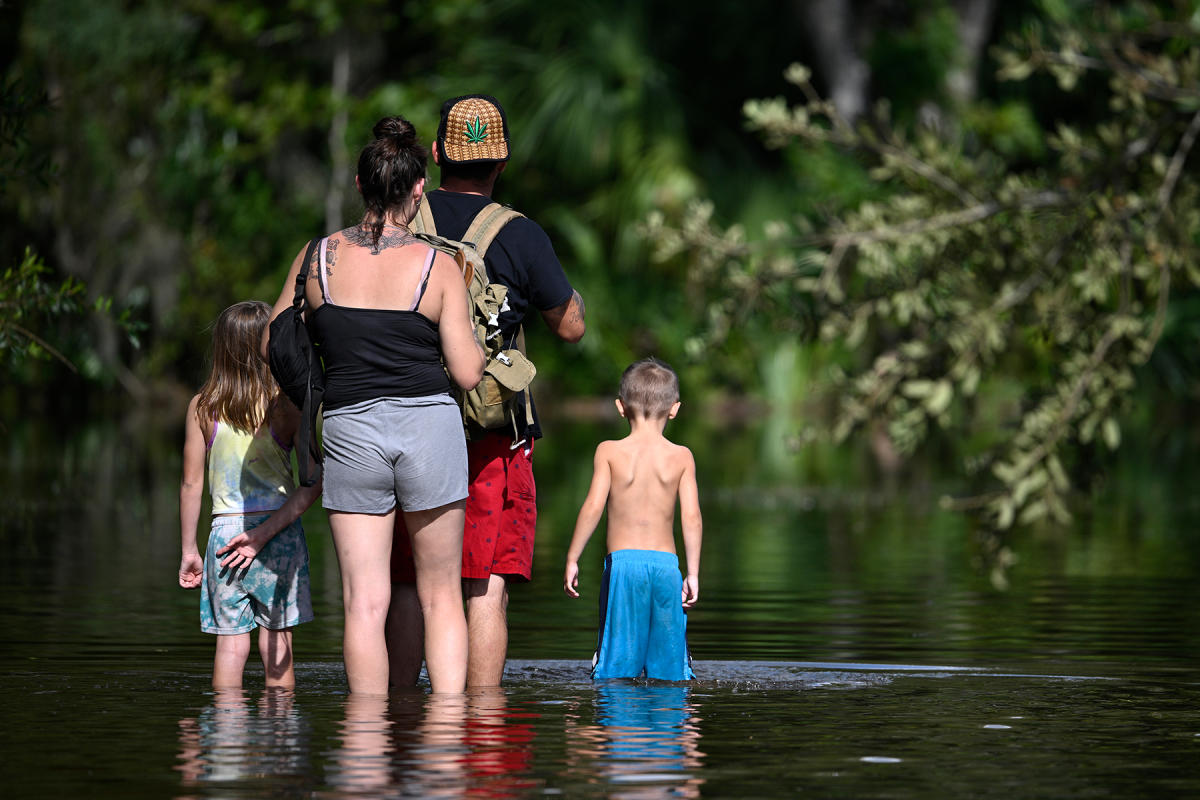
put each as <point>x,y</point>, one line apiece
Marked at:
<point>460,349</point>
<point>191,491</point>
<point>286,297</point>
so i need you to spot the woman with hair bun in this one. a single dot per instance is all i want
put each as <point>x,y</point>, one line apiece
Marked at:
<point>389,317</point>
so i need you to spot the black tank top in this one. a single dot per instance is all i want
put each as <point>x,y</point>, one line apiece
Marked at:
<point>371,353</point>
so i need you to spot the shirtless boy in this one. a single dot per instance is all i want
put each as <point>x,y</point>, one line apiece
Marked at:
<point>642,595</point>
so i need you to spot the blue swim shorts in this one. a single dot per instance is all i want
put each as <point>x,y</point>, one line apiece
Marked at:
<point>643,627</point>
<point>272,591</point>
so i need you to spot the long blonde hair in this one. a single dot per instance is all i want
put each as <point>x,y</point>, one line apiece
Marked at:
<point>240,386</point>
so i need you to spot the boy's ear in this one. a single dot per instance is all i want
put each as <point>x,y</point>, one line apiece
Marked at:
<point>620,406</point>
<point>674,410</point>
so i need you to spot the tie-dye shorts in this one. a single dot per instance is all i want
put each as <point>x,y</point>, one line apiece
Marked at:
<point>272,591</point>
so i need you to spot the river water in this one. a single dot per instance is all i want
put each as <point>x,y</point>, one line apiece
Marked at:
<point>848,643</point>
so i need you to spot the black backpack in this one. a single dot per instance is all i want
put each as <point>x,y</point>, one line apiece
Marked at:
<point>298,371</point>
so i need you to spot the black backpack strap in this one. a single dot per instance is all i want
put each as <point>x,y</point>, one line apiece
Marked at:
<point>302,275</point>
<point>307,443</point>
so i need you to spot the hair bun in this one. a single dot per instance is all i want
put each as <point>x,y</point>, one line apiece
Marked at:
<point>396,128</point>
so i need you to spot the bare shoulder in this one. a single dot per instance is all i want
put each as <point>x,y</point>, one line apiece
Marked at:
<point>445,268</point>
<point>194,421</point>
<point>681,455</point>
<point>607,449</point>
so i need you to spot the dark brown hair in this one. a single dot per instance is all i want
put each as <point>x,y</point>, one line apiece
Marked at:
<point>648,389</point>
<point>387,170</point>
<point>240,386</point>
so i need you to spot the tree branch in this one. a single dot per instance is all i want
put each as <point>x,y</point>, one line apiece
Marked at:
<point>28,334</point>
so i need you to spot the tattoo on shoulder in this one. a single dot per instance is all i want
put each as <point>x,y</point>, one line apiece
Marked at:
<point>578,298</point>
<point>331,251</point>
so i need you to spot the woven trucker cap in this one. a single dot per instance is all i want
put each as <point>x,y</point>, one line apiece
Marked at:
<point>473,129</point>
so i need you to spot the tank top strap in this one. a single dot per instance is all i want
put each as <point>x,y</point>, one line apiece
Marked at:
<point>424,280</point>
<point>322,277</point>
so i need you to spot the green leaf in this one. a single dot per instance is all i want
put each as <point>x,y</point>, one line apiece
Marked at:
<point>1112,433</point>
<point>476,131</point>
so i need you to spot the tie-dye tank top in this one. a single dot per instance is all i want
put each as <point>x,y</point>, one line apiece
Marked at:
<point>247,473</point>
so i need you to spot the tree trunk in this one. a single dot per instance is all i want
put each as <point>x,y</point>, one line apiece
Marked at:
<point>974,27</point>
<point>839,66</point>
<point>340,164</point>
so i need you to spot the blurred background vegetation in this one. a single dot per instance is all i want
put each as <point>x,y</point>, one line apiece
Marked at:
<point>173,155</point>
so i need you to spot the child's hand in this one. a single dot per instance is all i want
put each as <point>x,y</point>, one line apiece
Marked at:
<point>245,547</point>
<point>571,579</point>
<point>691,590</point>
<point>191,569</point>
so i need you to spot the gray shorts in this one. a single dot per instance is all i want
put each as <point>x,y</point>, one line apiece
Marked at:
<point>406,451</point>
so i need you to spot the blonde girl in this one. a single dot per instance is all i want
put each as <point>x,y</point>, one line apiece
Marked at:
<point>254,573</point>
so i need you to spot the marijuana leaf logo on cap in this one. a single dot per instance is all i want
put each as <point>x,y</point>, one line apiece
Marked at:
<point>476,131</point>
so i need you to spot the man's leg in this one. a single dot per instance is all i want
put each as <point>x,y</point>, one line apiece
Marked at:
<point>405,636</point>
<point>487,629</point>
<point>405,627</point>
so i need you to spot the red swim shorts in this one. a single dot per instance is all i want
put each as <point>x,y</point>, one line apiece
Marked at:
<point>501,515</point>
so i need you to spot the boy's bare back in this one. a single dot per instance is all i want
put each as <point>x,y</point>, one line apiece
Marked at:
<point>638,479</point>
<point>646,476</point>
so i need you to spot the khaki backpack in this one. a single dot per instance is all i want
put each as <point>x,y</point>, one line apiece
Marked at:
<point>493,403</point>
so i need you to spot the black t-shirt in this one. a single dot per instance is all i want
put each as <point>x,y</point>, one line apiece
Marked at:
<point>521,258</point>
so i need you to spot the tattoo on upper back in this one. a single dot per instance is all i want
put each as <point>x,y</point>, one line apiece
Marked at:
<point>391,237</point>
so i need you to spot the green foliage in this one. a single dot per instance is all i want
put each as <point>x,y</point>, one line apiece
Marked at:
<point>27,299</point>
<point>984,269</point>
<point>910,59</point>
<point>18,105</point>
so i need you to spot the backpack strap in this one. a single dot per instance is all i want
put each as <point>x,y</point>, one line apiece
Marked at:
<point>517,441</point>
<point>423,222</point>
<point>487,224</point>
<point>302,275</point>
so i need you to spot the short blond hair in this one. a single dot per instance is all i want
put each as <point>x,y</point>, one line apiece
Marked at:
<point>648,389</point>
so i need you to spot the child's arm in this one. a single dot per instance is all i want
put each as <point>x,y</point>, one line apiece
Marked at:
<point>245,546</point>
<point>191,490</point>
<point>589,517</point>
<point>693,528</point>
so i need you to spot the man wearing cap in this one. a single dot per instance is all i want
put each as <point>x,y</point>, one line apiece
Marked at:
<point>472,150</point>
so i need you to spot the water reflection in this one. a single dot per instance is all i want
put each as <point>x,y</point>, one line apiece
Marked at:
<point>235,738</point>
<point>445,746</point>
<point>644,743</point>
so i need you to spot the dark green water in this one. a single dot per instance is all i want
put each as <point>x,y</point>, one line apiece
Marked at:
<point>847,645</point>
